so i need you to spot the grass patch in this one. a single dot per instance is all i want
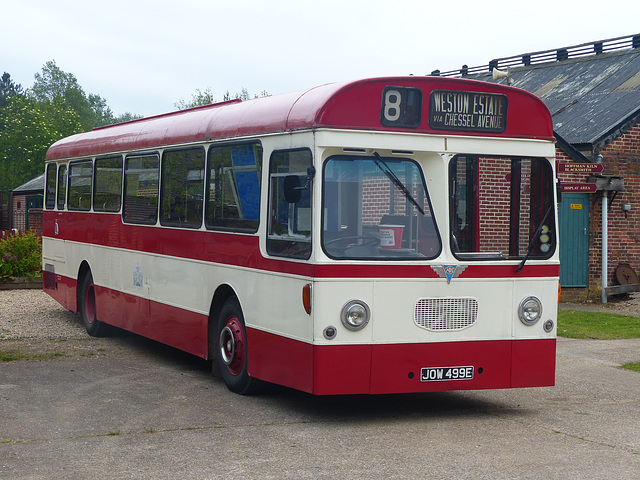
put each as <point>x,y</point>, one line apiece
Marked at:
<point>11,356</point>
<point>597,325</point>
<point>15,355</point>
<point>635,366</point>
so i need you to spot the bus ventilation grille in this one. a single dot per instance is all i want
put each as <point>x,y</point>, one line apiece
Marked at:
<point>446,314</point>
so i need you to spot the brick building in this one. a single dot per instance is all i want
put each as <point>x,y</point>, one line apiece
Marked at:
<point>26,206</point>
<point>593,93</point>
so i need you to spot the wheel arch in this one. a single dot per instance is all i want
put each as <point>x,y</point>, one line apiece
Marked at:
<point>220,296</point>
<point>82,271</point>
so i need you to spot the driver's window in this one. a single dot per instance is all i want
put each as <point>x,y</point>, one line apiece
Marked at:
<point>290,179</point>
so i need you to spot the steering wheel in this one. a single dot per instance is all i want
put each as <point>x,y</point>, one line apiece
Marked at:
<point>367,241</point>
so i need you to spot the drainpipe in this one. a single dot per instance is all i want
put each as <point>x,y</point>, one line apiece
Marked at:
<point>605,234</point>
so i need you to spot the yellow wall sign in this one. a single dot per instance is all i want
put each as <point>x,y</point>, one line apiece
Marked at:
<point>576,206</point>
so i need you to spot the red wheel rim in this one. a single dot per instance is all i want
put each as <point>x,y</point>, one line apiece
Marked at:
<point>90,303</point>
<point>232,345</point>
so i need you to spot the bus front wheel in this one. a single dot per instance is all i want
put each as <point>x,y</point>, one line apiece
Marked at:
<point>87,304</point>
<point>232,350</point>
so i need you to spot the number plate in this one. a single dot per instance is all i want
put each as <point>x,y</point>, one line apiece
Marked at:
<point>442,374</point>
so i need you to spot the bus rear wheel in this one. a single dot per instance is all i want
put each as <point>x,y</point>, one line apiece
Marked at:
<point>87,306</point>
<point>231,350</point>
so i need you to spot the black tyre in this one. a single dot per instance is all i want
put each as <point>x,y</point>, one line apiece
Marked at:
<point>231,350</point>
<point>87,306</point>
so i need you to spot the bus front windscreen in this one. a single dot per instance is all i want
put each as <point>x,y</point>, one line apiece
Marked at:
<point>377,208</point>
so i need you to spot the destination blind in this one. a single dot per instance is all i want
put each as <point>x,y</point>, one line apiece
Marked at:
<point>468,111</point>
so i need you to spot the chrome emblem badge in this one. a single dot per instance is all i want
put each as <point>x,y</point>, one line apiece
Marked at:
<point>448,271</point>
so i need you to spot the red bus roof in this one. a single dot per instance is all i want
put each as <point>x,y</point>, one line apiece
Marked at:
<point>349,105</point>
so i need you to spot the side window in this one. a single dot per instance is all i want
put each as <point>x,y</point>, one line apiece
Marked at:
<point>141,182</point>
<point>290,180</point>
<point>108,184</point>
<point>62,187</point>
<point>80,175</point>
<point>182,187</point>
<point>50,195</point>
<point>501,208</point>
<point>233,187</point>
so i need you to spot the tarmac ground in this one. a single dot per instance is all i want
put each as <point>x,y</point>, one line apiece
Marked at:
<point>127,407</point>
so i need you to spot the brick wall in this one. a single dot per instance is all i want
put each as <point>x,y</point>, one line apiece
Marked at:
<point>620,158</point>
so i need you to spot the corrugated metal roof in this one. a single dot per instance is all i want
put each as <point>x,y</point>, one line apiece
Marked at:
<point>34,185</point>
<point>592,98</point>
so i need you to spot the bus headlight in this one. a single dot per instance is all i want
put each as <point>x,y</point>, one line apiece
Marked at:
<point>355,315</point>
<point>530,310</point>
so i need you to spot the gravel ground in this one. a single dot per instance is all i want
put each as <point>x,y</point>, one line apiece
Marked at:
<point>33,323</point>
<point>620,304</point>
<point>32,314</point>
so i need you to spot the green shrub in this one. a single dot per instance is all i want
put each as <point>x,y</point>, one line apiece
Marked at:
<point>20,256</point>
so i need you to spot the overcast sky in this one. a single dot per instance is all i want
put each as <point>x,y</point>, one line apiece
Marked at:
<point>143,56</point>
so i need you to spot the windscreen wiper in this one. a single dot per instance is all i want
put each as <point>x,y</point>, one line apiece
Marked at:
<point>396,181</point>
<point>533,239</point>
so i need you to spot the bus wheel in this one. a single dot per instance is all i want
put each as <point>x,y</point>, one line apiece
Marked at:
<point>232,350</point>
<point>87,293</point>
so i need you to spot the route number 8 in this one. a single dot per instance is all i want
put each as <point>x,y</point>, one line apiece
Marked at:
<point>392,105</point>
<point>401,107</point>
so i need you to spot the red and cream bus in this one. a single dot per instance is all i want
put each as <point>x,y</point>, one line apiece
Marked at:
<point>386,235</point>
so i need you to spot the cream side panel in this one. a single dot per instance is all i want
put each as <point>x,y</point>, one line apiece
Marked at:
<point>53,253</point>
<point>270,302</point>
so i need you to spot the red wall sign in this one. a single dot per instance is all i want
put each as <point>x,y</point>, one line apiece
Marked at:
<point>579,188</point>
<point>574,167</point>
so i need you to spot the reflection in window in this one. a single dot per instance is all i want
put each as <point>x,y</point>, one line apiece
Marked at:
<point>80,174</point>
<point>62,187</point>
<point>233,187</point>
<point>50,190</point>
<point>141,189</point>
<point>182,187</point>
<point>108,184</point>
<point>377,208</point>
<point>290,179</point>
<point>498,204</point>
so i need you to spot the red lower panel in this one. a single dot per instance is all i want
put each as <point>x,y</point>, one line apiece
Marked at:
<point>533,363</point>
<point>341,369</point>
<point>396,368</point>
<point>280,360</point>
<point>172,326</point>
<point>322,370</point>
<point>63,291</point>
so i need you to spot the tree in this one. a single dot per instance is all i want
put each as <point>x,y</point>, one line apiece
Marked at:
<point>127,117</point>
<point>27,129</point>
<point>197,99</point>
<point>8,89</point>
<point>54,83</point>
<point>201,98</point>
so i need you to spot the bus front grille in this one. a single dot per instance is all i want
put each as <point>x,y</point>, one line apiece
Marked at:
<point>445,314</point>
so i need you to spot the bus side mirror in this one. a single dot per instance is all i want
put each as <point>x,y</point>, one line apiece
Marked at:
<point>292,187</point>
<point>559,191</point>
<point>292,190</point>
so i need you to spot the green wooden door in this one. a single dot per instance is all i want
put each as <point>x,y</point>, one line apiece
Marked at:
<point>574,240</point>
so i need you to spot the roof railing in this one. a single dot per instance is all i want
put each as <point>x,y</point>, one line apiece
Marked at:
<point>598,47</point>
